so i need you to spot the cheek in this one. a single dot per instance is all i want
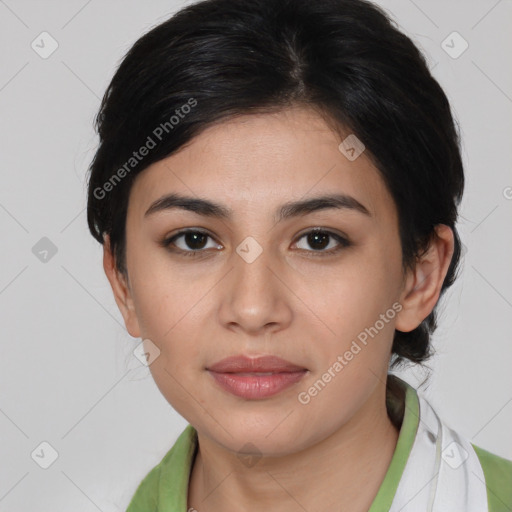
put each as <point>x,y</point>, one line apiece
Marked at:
<point>170,321</point>
<point>353,301</point>
<point>357,291</point>
<point>163,295</point>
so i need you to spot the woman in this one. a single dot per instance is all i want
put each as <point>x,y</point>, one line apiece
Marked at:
<point>276,189</point>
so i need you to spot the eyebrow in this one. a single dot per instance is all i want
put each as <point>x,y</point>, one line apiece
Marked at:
<point>209,208</point>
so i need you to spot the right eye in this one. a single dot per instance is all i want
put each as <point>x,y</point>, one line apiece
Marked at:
<point>192,238</point>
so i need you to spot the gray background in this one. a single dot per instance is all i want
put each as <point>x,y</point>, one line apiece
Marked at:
<point>67,372</point>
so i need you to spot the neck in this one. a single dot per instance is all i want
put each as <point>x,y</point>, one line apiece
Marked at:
<point>328,475</point>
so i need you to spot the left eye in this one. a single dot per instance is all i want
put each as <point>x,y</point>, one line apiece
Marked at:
<point>319,240</point>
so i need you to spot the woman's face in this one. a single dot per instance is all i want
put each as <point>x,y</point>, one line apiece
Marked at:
<point>256,284</point>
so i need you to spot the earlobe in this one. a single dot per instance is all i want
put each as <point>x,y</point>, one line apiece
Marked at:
<point>120,289</point>
<point>423,284</point>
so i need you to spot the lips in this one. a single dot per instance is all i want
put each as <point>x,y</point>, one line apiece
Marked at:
<point>255,378</point>
<point>263,364</point>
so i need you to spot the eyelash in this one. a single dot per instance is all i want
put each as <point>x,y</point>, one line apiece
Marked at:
<point>344,242</point>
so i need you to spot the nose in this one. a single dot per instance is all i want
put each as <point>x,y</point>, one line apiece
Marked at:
<point>255,298</point>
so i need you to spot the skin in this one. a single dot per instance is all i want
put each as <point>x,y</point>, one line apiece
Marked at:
<point>292,301</point>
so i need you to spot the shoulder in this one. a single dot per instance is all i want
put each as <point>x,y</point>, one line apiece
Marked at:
<point>145,497</point>
<point>173,469</point>
<point>498,479</point>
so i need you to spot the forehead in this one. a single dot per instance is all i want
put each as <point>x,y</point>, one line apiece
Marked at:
<point>255,163</point>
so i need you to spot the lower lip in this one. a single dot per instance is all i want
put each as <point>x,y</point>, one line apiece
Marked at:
<point>256,386</point>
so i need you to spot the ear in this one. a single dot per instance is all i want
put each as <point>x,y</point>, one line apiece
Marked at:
<point>121,289</point>
<point>423,284</point>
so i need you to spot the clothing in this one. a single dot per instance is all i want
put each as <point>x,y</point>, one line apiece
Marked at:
<point>433,469</point>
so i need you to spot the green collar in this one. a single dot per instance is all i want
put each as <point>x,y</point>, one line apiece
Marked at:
<point>387,489</point>
<point>166,486</point>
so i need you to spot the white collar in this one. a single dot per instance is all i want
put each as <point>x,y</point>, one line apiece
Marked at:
<point>442,473</point>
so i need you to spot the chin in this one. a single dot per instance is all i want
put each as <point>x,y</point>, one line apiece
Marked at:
<point>263,436</point>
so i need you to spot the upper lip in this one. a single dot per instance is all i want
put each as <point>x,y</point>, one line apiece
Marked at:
<point>241,363</point>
